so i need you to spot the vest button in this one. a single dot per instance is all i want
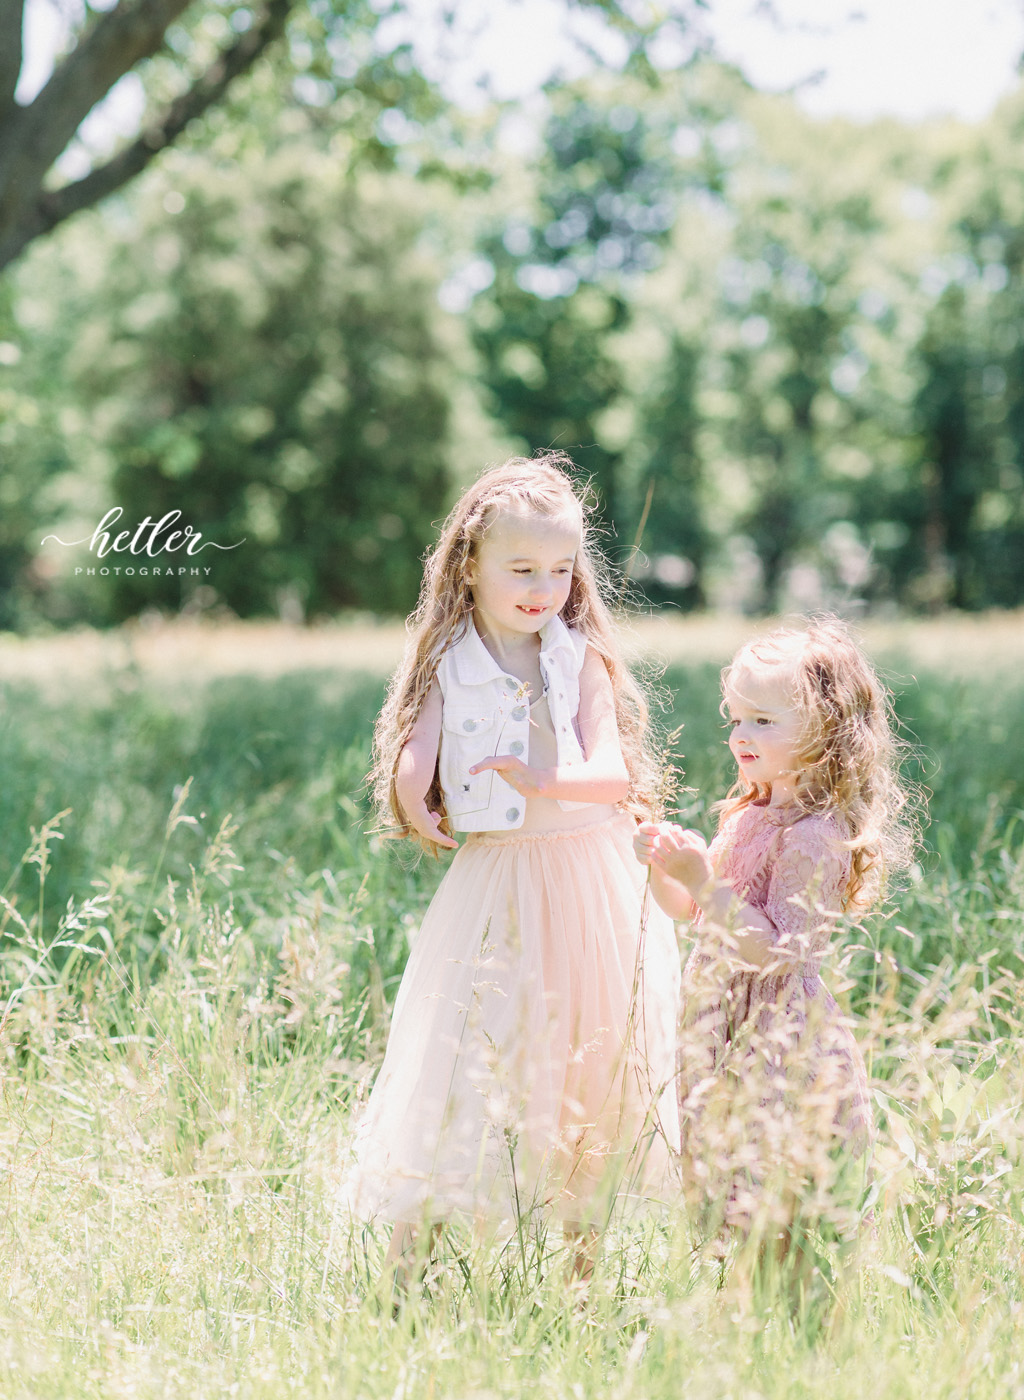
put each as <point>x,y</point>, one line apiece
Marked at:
<point>516,747</point>
<point>512,815</point>
<point>512,683</point>
<point>519,712</point>
<point>469,725</point>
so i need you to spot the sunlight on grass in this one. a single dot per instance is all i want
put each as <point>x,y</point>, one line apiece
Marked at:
<point>196,983</point>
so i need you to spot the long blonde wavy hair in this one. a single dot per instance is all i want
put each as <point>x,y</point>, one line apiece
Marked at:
<point>444,612</point>
<point>849,749</point>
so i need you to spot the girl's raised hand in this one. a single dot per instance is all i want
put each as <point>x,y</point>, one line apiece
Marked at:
<point>683,855</point>
<point>527,781</point>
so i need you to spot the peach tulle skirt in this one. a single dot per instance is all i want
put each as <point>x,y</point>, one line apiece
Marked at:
<point>532,1048</point>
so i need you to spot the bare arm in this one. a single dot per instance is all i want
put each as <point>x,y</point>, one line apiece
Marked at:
<point>668,893</point>
<point>416,765</point>
<point>602,776</point>
<point>749,934</point>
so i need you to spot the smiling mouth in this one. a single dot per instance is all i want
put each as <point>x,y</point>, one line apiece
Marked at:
<point>531,612</point>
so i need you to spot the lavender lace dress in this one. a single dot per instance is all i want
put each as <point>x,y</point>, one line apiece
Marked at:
<point>773,1090</point>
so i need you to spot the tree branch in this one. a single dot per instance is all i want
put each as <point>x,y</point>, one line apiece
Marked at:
<point>120,39</point>
<point>11,22</point>
<point>51,207</point>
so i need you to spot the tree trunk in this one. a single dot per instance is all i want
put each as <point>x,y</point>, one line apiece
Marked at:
<point>32,137</point>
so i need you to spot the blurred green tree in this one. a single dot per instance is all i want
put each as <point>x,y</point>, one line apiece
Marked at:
<point>185,55</point>
<point>799,341</point>
<point>269,363</point>
<point>788,289</point>
<point>666,506</point>
<point>956,465</point>
<point>545,328</point>
<point>34,454</point>
<point>106,46</point>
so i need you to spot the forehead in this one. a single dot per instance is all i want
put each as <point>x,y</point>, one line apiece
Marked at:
<point>526,533</point>
<point>760,687</point>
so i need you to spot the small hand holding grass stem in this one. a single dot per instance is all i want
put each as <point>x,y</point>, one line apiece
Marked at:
<point>688,883</point>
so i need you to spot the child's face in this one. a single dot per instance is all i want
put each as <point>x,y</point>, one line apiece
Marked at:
<point>767,732</point>
<point>521,573</point>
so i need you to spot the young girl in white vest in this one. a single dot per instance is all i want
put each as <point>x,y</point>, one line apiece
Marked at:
<point>533,1032</point>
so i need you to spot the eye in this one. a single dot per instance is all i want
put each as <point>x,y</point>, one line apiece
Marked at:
<point>762,721</point>
<point>730,724</point>
<point>522,571</point>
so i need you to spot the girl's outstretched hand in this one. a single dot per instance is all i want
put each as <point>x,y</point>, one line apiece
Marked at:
<point>426,823</point>
<point>527,781</point>
<point>684,856</point>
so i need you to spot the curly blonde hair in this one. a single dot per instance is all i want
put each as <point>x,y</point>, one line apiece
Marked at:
<point>849,749</point>
<point>538,485</point>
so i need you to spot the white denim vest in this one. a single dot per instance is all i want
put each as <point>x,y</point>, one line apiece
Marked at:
<point>486,712</point>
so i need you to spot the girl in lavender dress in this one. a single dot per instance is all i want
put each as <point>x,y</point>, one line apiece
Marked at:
<point>773,1092</point>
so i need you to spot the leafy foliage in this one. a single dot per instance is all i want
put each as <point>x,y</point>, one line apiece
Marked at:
<point>545,329</point>
<point>283,384</point>
<point>789,349</point>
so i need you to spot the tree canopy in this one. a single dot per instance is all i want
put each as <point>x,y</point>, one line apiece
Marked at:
<point>787,353</point>
<point>108,45</point>
<point>187,54</point>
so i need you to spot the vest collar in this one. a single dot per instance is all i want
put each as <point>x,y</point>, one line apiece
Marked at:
<point>474,664</point>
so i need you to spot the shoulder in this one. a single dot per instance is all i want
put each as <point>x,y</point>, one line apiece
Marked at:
<point>443,670</point>
<point>736,829</point>
<point>818,839</point>
<point>459,642</point>
<point>745,819</point>
<point>460,660</point>
<point>567,644</point>
<point>580,644</point>
<point>594,676</point>
<point>563,649</point>
<point>730,819</point>
<point>821,828</point>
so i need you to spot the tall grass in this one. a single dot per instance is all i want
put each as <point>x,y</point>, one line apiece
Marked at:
<point>197,977</point>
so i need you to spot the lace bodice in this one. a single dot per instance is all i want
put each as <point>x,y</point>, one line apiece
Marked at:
<point>793,868</point>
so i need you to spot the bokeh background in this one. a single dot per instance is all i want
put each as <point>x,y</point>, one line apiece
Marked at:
<point>403,243</point>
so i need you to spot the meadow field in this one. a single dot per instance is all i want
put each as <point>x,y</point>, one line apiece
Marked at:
<point>202,939</point>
